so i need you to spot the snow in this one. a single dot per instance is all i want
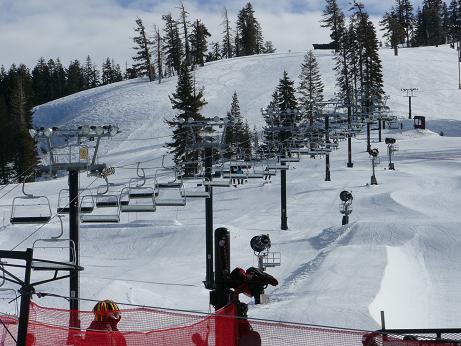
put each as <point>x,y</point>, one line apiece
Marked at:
<point>400,252</point>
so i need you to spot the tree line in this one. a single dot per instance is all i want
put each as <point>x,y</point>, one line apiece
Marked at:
<point>161,53</point>
<point>436,22</point>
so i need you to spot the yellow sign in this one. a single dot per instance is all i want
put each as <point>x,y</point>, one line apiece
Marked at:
<point>83,154</point>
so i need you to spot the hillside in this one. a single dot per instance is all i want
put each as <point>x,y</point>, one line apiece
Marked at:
<point>399,253</point>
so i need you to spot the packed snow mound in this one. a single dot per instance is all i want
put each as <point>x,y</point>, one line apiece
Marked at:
<point>398,254</point>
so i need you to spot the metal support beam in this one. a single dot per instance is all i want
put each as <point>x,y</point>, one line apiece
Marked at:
<point>327,156</point>
<point>74,235</point>
<point>222,267</point>
<point>283,197</point>
<point>368,137</point>
<point>209,280</point>
<point>349,138</point>
<point>26,292</point>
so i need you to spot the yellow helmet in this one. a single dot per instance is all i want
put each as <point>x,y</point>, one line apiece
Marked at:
<point>102,308</point>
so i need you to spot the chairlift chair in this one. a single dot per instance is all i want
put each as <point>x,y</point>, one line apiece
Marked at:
<point>107,207</point>
<point>9,296</point>
<point>87,202</point>
<point>171,194</point>
<point>194,187</point>
<point>218,179</point>
<point>55,244</point>
<point>293,158</point>
<point>30,209</point>
<point>138,204</point>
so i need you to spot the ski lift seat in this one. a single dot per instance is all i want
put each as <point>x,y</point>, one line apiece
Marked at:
<point>21,213</point>
<point>195,194</point>
<point>138,204</point>
<point>234,175</point>
<point>289,159</point>
<point>47,266</point>
<point>90,218</point>
<point>141,192</point>
<point>169,185</point>
<point>171,202</point>
<point>107,201</point>
<point>256,175</point>
<point>29,220</point>
<point>219,182</point>
<point>278,167</point>
<point>138,208</point>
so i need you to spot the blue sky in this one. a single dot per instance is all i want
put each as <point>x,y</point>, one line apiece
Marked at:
<point>72,29</point>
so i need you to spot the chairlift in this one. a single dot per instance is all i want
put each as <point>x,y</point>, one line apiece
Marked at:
<point>30,209</point>
<point>107,207</point>
<point>9,296</point>
<point>170,194</point>
<point>195,187</point>
<point>87,202</point>
<point>218,179</point>
<point>138,204</point>
<point>55,244</point>
<point>292,157</point>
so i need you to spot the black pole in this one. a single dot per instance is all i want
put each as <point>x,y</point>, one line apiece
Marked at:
<point>349,138</point>
<point>26,293</point>
<point>373,177</point>
<point>379,127</point>
<point>74,235</point>
<point>327,141</point>
<point>409,107</point>
<point>283,197</point>
<point>222,267</point>
<point>391,164</point>
<point>368,137</point>
<point>209,280</point>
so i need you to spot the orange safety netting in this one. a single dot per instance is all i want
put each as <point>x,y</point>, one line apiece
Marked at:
<point>147,326</point>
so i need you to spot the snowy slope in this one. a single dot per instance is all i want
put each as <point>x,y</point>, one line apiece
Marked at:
<point>398,254</point>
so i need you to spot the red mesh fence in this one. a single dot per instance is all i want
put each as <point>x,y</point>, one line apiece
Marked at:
<point>146,326</point>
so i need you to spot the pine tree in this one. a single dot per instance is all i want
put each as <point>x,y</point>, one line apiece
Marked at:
<point>237,135</point>
<point>107,72</point>
<point>227,45</point>
<point>249,33</point>
<point>6,139</point>
<point>143,55</point>
<point>281,120</point>
<point>198,42</point>
<point>333,18</point>
<point>159,53</point>
<point>41,80</point>
<point>394,32</point>
<point>429,28</point>
<point>25,157</point>
<point>185,25</point>
<point>59,79</point>
<point>346,63</point>
<point>74,78</point>
<point>310,87</point>
<point>286,93</point>
<point>172,45</point>
<point>188,101</point>
<point>268,48</point>
<point>404,11</point>
<point>116,75</point>
<point>454,13</point>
